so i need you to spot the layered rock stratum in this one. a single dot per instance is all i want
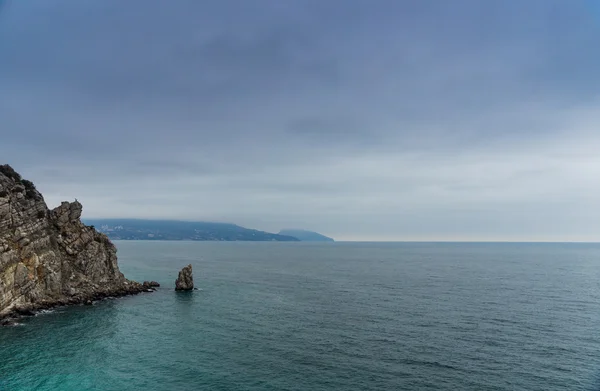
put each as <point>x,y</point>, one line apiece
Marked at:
<point>49,257</point>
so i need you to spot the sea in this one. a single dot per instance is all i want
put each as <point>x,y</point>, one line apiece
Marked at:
<point>326,316</point>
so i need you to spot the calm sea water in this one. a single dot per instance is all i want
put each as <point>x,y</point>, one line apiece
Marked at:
<point>340,316</point>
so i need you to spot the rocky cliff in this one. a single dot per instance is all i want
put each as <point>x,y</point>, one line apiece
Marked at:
<point>49,257</point>
<point>185,280</point>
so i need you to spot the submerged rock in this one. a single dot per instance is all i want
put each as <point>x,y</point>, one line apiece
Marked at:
<point>150,284</point>
<point>185,280</point>
<point>49,257</point>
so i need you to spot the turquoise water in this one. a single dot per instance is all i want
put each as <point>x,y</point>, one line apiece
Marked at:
<point>339,316</point>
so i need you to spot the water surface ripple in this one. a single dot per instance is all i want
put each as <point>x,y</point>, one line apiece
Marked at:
<point>333,316</point>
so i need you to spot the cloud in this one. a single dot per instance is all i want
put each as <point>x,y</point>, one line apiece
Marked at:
<point>386,120</point>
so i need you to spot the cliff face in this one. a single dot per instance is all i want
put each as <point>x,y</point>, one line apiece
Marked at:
<point>49,257</point>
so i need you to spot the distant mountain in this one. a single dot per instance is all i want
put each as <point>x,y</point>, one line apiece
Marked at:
<point>134,229</point>
<point>305,236</point>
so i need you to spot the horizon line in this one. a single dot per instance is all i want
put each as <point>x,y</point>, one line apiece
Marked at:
<point>352,240</point>
<point>371,241</point>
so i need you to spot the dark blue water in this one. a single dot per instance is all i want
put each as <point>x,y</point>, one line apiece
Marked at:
<point>277,316</point>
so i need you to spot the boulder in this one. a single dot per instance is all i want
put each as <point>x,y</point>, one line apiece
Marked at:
<point>185,280</point>
<point>150,284</point>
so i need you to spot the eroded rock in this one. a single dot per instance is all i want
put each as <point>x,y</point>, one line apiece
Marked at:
<point>50,258</point>
<point>150,286</point>
<point>185,280</point>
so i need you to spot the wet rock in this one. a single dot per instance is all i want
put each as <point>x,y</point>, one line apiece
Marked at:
<point>24,311</point>
<point>185,280</point>
<point>8,322</point>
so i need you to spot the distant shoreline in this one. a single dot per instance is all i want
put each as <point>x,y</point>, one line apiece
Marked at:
<point>347,241</point>
<point>139,229</point>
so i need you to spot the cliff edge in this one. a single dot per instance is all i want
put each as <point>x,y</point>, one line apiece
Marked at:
<point>49,257</point>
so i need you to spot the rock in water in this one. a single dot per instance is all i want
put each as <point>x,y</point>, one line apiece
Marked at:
<point>185,280</point>
<point>49,257</point>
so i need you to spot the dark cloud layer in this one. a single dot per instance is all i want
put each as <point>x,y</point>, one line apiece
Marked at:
<point>362,119</point>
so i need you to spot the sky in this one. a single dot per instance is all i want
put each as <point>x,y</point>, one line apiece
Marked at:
<point>360,119</point>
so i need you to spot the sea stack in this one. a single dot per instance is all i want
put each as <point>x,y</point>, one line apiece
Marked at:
<point>185,280</point>
<point>49,257</point>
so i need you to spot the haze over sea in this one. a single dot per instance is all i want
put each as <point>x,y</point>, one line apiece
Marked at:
<point>333,316</point>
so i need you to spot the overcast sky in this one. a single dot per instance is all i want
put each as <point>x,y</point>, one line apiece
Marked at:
<point>360,119</point>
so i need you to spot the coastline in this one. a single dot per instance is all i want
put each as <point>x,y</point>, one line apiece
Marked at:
<point>11,315</point>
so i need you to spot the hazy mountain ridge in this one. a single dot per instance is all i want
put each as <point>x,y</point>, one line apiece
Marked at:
<point>139,229</point>
<point>306,236</point>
